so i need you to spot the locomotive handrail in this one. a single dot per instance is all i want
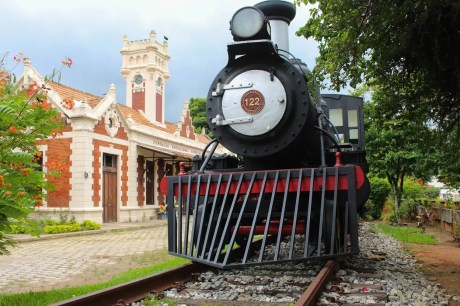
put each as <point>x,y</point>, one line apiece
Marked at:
<point>208,158</point>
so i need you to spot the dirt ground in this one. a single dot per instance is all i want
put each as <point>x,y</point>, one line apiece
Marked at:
<point>440,263</point>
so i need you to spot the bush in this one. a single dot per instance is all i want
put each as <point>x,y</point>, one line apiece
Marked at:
<point>432,192</point>
<point>27,226</point>
<point>408,209</point>
<point>50,226</point>
<point>89,225</point>
<point>380,189</point>
<point>50,222</point>
<point>413,189</point>
<point>388,212</point>
<point>62,228</point>
<point>16,229</point>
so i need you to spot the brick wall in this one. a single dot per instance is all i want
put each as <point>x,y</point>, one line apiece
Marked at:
<point>58,160</point>
<point>100,129</point>
<point>187,123</point>
<point>159,107</point>
<point>139,100</point>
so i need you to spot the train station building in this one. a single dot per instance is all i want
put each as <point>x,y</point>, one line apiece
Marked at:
<point>112,157</point>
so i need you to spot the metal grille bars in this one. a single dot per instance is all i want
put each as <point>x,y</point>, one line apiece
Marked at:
<point>295,214</point>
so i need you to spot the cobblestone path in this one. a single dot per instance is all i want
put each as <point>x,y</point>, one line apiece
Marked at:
<point>45,264</point>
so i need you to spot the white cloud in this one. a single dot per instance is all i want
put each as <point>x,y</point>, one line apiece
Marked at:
<point>91,33</point>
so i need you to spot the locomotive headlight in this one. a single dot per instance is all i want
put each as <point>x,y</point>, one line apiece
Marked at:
<point>249,23</point>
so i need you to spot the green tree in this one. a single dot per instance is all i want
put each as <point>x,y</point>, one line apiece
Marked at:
<point>397,148</point>
<point>24,118</point>
<point>408,49</point>
<point>371,40</point>
<point>197,109</point>
<point>449,158</point>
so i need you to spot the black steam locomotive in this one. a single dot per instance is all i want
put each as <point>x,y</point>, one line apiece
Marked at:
<point>297,181</point>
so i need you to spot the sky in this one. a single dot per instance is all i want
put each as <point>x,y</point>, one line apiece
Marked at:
<point>91,33</point>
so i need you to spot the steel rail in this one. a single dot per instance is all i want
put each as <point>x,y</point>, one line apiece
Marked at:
<point>129,292</point>
<point>308,298</point>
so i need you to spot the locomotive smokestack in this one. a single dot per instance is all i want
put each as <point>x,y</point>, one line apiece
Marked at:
<point>280,15</point>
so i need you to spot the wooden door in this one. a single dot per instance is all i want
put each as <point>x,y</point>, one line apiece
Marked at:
<point>109,189</point>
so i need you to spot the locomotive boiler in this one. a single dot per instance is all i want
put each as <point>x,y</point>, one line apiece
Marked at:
<point>296,181</point>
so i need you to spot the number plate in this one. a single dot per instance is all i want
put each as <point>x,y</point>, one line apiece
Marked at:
<point>252,102</point>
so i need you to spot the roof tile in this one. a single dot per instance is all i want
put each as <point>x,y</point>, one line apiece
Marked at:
<point>67,92</point>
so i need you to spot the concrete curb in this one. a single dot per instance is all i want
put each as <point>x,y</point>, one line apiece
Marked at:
<point>21,238</point>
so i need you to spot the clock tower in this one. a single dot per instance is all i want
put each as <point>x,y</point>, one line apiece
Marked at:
<point>145,70</point>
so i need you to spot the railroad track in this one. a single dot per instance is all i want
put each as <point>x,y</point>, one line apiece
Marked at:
<point>184,279</point>
<point>304,283</point>
<point>380,274</point>
<point>136,290</point>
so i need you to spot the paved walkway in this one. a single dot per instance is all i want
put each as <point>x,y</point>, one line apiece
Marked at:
<point>54,260</point>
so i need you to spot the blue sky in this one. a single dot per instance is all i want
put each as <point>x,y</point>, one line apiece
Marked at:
<point>91,33</point>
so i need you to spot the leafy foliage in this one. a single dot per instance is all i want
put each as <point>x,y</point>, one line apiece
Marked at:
<point>380,190</point>
<point>50,226</point>
<point>397,148</point>
<point>449,157</point>
<point>62,228</point>
<point>89,225</point>
<point>407,51</point>
<point>371,40</point>
<point>24,119</point>
<point>198,113</point>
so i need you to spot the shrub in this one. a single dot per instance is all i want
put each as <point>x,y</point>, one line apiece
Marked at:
<point>89,225</point>
<point>388,212</point>
<point>371,210</point>
<point>50,222</point>
<point>380,189</point>
<point>62,228</point>
<point>408,209</point>
<point>25,226</point>
<point>16,229</point>
<point>413,189</point>
<point>432,192</point>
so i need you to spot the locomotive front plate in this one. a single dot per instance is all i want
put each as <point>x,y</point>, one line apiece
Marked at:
<point>264,103</point>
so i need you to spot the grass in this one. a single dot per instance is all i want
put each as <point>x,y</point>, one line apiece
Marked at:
<point>407,234</point>
<point>40,298</point>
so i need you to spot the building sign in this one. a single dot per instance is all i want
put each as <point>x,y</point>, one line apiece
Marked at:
<point>173,146</point>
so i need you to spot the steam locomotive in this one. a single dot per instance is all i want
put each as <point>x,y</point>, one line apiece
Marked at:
<point>295,183</point>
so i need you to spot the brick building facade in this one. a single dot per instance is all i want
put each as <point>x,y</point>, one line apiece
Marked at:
<point>113,156</point>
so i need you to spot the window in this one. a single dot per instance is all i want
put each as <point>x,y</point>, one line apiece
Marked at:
<point>110,161</point>
<point>352,118</point>
<point>335,116</point>
<point>354,136</point>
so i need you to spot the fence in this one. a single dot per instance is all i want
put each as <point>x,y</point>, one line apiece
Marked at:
<point>449,219</point>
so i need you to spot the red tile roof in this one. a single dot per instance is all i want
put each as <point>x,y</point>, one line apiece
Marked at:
<point>67,92</point>
<point>170,128</point>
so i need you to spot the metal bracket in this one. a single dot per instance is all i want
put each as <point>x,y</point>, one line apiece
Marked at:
<point>220,88</point>
<point>219,120</point>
